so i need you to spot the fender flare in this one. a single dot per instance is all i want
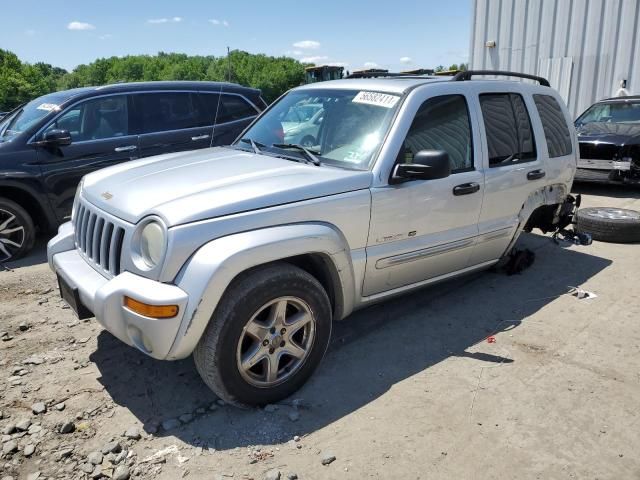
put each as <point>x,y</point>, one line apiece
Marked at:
<point>216,264</point>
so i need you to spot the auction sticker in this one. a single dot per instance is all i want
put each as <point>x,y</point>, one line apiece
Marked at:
<point>376,98</point>
<point>49,107</point>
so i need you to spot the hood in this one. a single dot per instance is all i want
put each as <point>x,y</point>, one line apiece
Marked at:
<point>202,184</point>
<point>613,133</point>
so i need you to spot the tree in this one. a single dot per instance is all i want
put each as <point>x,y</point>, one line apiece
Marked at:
<point>21,82</point>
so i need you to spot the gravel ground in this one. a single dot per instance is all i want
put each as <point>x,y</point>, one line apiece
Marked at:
<point>488,376</point>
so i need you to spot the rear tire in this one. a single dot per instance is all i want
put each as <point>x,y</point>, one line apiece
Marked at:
<point>17,231</point>
<point>607,224</point>
<point>247,338</point>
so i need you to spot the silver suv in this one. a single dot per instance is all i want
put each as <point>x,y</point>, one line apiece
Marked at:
<point>244,255</point>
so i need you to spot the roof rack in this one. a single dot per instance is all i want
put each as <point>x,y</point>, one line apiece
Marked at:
<point>385,74</point>
<point>463,76</point>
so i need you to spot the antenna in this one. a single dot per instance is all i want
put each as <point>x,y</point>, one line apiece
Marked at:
<point>228,65</point>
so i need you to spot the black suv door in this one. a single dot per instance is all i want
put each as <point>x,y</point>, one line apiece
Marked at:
<point>171,122</point>
<point>233,113</point>
<point>100,137</point>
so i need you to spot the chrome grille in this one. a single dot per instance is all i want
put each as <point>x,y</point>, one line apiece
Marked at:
<point>98,239</point>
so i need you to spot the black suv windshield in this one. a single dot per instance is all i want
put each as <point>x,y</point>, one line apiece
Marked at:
<point>612,112</point>
<point>30,114</point>
<point>341,127</point>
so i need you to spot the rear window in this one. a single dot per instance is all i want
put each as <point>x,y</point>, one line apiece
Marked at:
<point>165,111</point>
<point>509,134</point>
<point>554,124</point>
<point>234,107</point>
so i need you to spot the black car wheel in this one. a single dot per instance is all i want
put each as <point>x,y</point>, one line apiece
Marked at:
<point>616,225</point>
<point>266,337</point>
<point>17,232</point>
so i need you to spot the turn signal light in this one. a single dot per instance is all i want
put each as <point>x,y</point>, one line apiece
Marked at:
<point>152,311</point>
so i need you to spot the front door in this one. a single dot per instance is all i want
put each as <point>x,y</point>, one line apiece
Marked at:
<point>100,137</point>
<point>422,229</point>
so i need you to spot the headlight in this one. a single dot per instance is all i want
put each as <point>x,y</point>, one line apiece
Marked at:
<point>75,199</point>
<point>152,243</point>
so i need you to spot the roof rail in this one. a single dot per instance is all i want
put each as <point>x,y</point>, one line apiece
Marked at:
<point>463,76</point>
<point>384,74</point>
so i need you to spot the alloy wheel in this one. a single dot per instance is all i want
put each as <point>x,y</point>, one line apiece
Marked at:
<point>614,214</point>
<point>275,342</point>
<point>12,235</point>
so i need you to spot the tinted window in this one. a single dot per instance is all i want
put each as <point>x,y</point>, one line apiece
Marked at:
<point>95,119</point>
<point>508,127</point>
<point>161,112</point>
<point>555,126</point>
<point>233,107</point>
<point>211,103</point>
<point>442,123</point>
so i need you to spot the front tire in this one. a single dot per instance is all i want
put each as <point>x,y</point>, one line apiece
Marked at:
<point>17,232</point>
<point>266,337</point>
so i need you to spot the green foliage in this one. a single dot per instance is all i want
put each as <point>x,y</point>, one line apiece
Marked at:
<point>21,82</point>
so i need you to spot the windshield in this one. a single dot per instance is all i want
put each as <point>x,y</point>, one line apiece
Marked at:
<point>30,114</point>
<point>614,112</point>
<point>341,127</point>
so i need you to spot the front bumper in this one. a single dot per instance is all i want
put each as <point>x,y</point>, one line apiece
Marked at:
<point>593,164</point>
<point>105,297</point>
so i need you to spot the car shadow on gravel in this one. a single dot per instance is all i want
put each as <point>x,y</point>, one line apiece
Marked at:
<point>375,349</point>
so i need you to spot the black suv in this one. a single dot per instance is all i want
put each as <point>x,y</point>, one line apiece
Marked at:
<point>609,136</point>
<point>50,143</point>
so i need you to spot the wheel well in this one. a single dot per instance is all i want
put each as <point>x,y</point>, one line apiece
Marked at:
<point>30,204</point>
<point>543,217</point>
<point>322,269</point>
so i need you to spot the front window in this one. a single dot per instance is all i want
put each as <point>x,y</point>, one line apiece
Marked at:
<point>341,127</point>
<point>614,112</point>
<point>29,115</point>
<point>95,119</point>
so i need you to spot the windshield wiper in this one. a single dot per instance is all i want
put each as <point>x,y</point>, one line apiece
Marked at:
<point>311,154</point>
<point>253,144</point>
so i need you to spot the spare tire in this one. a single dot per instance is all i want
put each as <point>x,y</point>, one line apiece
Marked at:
<point>606,224</point>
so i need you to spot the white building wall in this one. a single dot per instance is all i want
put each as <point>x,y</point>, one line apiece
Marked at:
<point>584,47</point>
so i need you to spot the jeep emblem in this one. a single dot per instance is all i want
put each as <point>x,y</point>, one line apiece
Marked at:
<point>107,195</point>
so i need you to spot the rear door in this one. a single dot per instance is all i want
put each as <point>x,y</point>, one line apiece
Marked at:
<point>234,113</point>
<point>514,168</point>
<point>101,136</point>
<point>171,122</point>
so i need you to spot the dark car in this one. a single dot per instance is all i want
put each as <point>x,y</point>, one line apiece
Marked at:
<point>50,143</point>
<point>609,136</point>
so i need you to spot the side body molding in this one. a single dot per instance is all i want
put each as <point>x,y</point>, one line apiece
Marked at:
<point>214,266</point>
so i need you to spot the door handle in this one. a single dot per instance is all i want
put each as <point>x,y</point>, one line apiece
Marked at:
<point>199,137</point>
<point>128,148</point>
<point>536,174</point>
<point>466,188</point>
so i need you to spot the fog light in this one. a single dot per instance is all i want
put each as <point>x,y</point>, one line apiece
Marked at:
<point>152,311</point>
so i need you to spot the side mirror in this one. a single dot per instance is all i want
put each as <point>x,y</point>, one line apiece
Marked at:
<point>427,165</point>
<point>56,138</point>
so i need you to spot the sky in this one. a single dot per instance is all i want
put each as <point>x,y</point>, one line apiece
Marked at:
<point>397,35</point>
